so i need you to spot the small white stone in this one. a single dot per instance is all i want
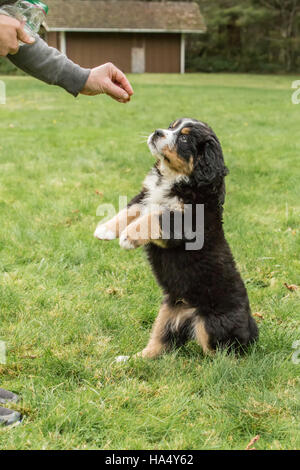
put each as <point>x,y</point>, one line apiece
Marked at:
<point>122,358</point>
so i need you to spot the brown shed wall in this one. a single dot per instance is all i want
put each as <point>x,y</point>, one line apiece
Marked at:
<point>53,39</point>
<point>162,51</point>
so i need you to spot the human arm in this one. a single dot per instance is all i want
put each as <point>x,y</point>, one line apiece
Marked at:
<point>45,63</point>
<point>49,65</point>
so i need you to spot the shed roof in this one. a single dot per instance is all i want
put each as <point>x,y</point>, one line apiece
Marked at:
<point>116,15</point>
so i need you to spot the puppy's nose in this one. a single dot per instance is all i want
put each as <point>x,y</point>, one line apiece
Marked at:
<point>158,133</point>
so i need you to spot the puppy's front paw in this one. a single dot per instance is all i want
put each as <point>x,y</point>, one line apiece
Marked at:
<point>103,233</point>
<point>126,242</point>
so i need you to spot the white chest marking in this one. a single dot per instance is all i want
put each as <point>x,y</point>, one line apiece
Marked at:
<point>158,190</point>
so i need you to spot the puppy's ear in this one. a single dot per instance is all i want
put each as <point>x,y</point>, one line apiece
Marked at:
<point>209,166</point>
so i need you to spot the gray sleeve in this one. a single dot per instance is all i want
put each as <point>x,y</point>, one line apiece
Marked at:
<point>50,66</point>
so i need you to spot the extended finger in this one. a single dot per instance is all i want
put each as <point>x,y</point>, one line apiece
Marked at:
<point>116,92</point>
<point>120,78</point>
<point>119,100</point>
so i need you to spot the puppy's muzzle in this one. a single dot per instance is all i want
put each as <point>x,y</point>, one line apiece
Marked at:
<point>158,134</point>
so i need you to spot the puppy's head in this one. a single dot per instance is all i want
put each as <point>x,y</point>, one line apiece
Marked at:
<point>189,148</point>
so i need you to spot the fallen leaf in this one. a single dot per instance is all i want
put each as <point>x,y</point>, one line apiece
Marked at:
<point>115,291</point>
<point>291,287</point>
<point>255,439</point>
<point>259,315</point>
<point>100,193</point>
<point>68,221</point>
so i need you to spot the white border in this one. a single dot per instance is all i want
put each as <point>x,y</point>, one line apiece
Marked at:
<point>125,30</point>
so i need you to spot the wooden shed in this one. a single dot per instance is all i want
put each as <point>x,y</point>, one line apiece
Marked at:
<point>136,36</point>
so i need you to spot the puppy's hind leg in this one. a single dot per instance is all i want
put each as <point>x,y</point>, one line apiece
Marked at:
<point>202,336</point>
<point>158,344</point>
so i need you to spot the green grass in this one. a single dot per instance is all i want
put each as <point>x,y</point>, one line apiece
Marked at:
<point>70,304</point>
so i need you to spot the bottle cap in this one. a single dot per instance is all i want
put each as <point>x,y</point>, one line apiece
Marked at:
<point>42,6</point>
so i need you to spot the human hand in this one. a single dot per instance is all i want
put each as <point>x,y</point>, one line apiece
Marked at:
<point>11,32</point>
<point>110,80</point>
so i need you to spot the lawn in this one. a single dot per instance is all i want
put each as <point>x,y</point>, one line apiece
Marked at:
<point>70,304</point>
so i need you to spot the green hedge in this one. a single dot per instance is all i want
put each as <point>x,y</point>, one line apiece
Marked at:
<point>7,68</point>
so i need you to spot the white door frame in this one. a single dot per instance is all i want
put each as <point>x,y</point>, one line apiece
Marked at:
<point>63,42</point>
<point>182,53</point>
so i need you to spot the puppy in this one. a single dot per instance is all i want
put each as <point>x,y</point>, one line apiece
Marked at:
<point>205,298</point>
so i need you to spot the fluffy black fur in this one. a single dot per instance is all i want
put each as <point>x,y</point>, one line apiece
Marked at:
<point>206,279</point>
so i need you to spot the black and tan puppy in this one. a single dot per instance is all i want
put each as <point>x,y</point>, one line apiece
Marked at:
<point>204,296</point>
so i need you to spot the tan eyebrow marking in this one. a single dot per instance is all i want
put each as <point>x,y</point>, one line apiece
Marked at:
<point>175,124</point>
<point>186,130</point>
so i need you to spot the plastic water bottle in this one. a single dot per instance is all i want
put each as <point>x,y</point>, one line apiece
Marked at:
<point>31,13</point>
